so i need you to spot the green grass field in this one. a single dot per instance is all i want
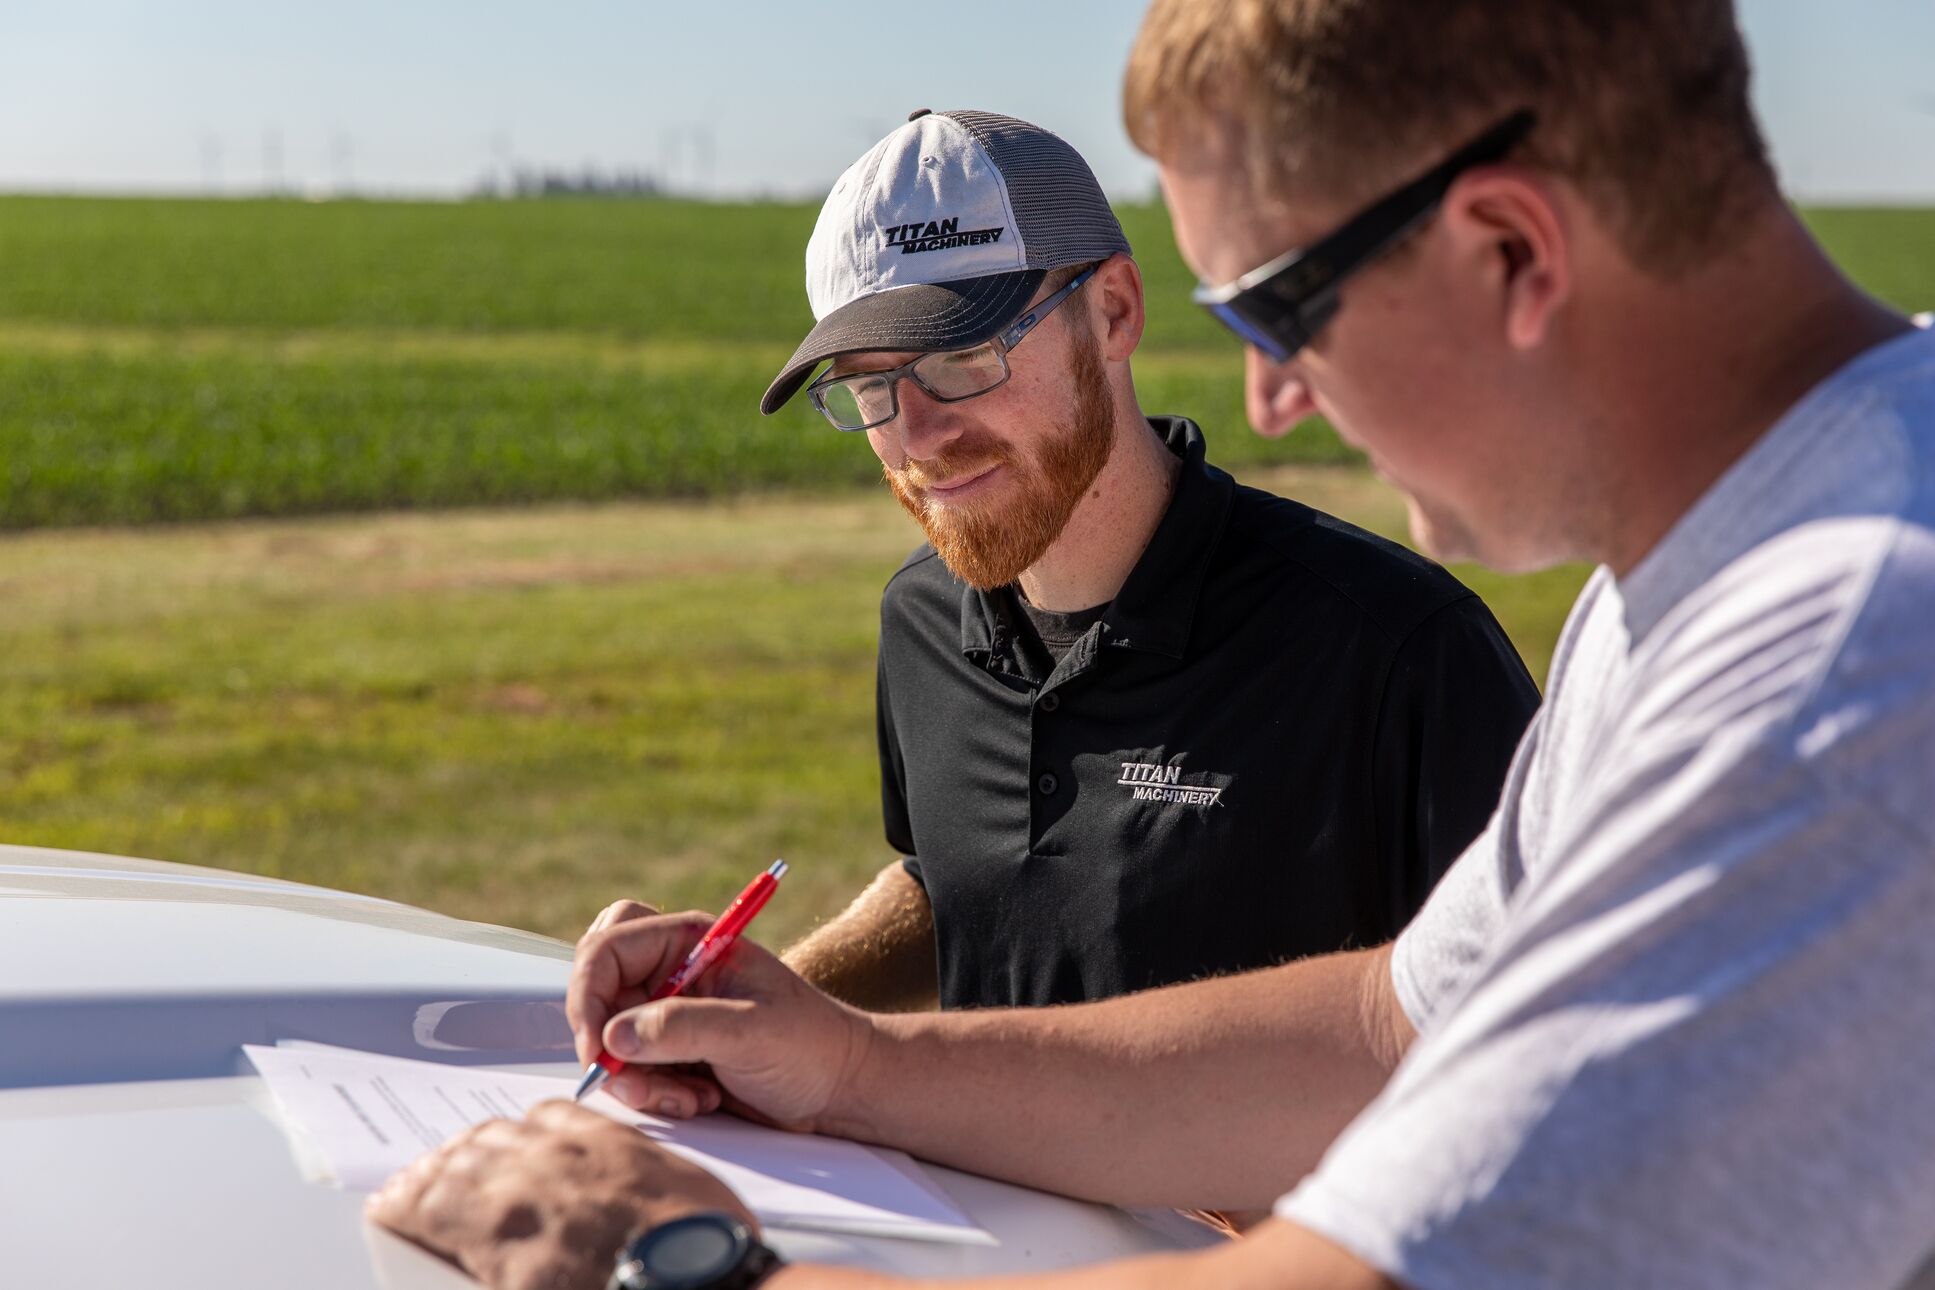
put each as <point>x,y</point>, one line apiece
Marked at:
<point>508,712</point>
<point>512,715</point>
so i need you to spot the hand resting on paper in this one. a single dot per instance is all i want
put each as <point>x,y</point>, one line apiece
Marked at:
<point>769,1046</point>
<point>545,1202</point>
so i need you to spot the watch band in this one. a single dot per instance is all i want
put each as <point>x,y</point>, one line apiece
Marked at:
<point>761,1262</point>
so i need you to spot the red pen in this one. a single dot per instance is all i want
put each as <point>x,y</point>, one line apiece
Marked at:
<point>712,946</point>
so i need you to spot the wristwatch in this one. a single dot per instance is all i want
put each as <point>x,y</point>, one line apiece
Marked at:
<point>706,1251</point>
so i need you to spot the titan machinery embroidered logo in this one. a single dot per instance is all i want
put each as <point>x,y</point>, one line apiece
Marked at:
<point>938,235</point>
<point>1153,782</point>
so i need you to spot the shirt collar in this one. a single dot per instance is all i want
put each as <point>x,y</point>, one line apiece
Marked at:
<point>1157,604</point>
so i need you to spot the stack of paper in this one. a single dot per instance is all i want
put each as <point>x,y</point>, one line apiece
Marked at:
<point>366,1116</point>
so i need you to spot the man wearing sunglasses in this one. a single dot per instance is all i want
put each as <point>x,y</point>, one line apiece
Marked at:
<point>1666,1023</point>
<point>1137,724</point>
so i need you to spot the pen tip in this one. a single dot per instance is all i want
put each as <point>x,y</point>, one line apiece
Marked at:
<point>778,869</point>
<point>594,1076</point>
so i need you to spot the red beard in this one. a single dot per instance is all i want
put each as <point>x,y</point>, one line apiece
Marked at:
<point>987,545</point>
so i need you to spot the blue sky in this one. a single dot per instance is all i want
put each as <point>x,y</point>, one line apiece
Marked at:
<point>753,97</point>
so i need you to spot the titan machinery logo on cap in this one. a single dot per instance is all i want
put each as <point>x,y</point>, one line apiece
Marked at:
<point>938,235</point>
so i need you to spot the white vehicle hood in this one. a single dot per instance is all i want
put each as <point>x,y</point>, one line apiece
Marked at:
<point>116,969</point>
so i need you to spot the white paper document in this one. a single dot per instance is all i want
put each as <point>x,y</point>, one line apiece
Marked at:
<point>363,1116</point>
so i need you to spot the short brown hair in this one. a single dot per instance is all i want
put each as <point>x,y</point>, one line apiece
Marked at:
<point>1642,104</point>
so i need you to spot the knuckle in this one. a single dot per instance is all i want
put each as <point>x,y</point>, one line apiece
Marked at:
<point>663,1022</point>
<point>557,1114</point>
<point>644,1024</point>
<point>460,1140</point>
<point>619,911</point>
<point>497,1134</point>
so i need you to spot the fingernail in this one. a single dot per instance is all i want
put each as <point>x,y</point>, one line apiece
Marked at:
<point>670,1106</point>
<point>623,1044</point>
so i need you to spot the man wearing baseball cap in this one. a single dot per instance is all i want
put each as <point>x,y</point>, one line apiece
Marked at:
<point>1137,724</point>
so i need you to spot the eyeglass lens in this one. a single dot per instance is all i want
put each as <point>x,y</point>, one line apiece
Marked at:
<point>865,400</point>
<point>1249,332</point>
<point>960,373</point>
<point>857,402</point>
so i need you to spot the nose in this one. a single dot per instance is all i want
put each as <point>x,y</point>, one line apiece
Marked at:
<point>921,432</point>
<point>1274,394</point>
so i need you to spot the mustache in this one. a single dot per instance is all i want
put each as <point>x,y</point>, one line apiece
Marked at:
<point>958,463</point>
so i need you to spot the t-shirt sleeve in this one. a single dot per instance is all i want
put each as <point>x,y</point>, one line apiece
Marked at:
<point>1455,704</point>
<point>1438,950</point>
<point>893,773</point>
<point>1696,1052</point>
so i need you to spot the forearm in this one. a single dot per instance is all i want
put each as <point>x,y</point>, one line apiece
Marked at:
<point>1155,1272</point>
<point>878,954</point>
<point>1280,1256</point>
<point>1217,1094</point>
<point>1158,1272</point>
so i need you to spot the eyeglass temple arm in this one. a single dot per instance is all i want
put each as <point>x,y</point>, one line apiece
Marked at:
<point>1026,323</point>
<point>1394,217</point>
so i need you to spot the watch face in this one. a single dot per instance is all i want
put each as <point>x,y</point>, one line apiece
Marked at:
<point>692,1252</point>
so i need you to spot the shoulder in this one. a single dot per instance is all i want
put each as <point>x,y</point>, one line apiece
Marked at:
<point>1807,563</point>
<point>1391,587</point>
<point>922,572</point>
<point>1808,651</point>
<point>921,587</point>
<point>1865,721</point>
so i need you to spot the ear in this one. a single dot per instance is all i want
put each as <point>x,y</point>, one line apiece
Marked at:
<point>1509,222</point>
<point>1115,306</point>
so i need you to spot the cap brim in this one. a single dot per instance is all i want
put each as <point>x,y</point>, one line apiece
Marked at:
<point>920,316</point>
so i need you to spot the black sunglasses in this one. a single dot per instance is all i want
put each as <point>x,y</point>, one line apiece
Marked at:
<point>1280,306</point>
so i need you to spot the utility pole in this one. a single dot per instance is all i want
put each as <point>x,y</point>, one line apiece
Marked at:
<point>668,157</point>
<point>342,162</point>
<point>272,162</point>
<point>500,151</point>
<point>211,164</point>
<point>702,148</point>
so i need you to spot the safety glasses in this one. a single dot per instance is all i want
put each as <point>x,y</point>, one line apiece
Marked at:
<point>1280,306</point>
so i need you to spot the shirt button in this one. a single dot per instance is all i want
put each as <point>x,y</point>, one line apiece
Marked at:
<point>1049,702</point>
<point>1048,784</point>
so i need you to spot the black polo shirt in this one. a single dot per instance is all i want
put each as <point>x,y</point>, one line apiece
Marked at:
<point>1279,735</point>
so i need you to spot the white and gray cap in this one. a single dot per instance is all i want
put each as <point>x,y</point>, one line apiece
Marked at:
<point>938,237</point>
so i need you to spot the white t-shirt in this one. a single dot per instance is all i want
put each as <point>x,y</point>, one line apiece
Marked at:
<point>1677,1004</point>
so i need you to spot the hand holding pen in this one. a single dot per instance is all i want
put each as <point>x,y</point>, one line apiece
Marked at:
<point>774,1048</point>
<point>718,939</point>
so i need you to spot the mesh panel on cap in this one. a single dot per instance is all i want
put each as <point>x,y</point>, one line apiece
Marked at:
<point>1063,216</point>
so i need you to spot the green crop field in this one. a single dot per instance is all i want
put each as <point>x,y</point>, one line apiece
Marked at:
<point>509,712</point>
<point>195,360</point>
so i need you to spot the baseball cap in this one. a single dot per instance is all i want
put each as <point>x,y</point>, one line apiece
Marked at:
<point>938,237</point>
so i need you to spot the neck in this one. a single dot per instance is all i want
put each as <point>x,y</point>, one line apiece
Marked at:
<point>1112,524</point>
<point>1717,360</point>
